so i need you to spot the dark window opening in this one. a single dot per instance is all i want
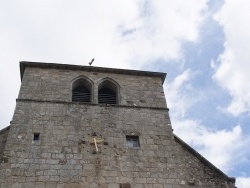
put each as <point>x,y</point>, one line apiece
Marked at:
<point>133,141</point>
<point>125,185</point>
<point>106,96</point>
<point>81,94</point>
<point>36,136</point>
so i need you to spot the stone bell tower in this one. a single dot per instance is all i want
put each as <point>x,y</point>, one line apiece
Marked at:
<point>82,126</point>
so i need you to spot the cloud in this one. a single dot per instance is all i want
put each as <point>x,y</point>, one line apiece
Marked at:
<point>243,182</point>
<point>223,147</point>
<point>127,33</point>
<point>120,34</point>
<point>178,93</point>
<point>232,71</point>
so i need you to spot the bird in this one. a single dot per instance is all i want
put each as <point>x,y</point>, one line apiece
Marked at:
<point>90,63</point>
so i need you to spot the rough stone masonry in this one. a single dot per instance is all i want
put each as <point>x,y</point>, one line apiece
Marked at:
<point>54,142</point>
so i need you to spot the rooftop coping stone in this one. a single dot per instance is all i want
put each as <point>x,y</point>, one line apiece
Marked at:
<point>24,64</point>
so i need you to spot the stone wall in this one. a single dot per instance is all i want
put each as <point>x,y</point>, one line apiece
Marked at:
<point>199,171</point>
<point>64,156</point>
<point>3,138</point>
<point>63,153</point>
<point>56,85</point>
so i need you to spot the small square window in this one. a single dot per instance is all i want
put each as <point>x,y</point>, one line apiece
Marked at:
<point>133,141</point>
<point>125,185</point>
<point>36,136</point>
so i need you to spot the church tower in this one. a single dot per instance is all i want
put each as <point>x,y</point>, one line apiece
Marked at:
<point>93,127</point>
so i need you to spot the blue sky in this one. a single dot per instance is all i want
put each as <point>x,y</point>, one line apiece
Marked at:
<point>203,45</point>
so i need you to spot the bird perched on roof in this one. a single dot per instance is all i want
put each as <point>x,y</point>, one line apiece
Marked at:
<point>90,63</point>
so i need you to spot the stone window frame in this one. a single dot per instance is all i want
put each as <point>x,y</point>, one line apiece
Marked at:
<point>113,85</point>
<point>124,185</point>
<point>36,136</point>
<point>86,82</point>
<point>133,137</point>
<point>94,87</point>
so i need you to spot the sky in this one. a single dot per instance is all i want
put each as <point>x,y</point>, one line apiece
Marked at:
<point>202,45</point>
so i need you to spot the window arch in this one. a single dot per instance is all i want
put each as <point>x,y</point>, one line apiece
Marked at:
<point>81,90</point>
<point>108,92</point>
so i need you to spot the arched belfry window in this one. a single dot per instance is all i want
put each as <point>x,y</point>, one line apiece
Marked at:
<point>81,90</point>
<point>107,92</point>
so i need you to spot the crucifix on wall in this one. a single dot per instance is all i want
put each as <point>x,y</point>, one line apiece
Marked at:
<point>96,141</point>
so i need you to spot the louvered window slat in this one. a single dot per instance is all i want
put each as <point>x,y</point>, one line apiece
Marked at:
<point>106,96</point>
<point>81,94</point>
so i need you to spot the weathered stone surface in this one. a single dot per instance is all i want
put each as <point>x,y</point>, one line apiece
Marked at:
<point>65,154</point>
<point>3,138</point>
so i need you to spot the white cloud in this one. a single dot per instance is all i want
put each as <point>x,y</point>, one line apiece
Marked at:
<point>121,34</point>
<point>177,93</point>
<point>243,182</point>
<point>76,32</point>
<point>224,148</point>
<point>233,71</point>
